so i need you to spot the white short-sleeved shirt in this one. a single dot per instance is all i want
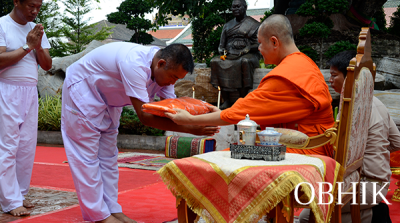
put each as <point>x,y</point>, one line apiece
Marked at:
<point>109,75</point>
<point>13,36</point>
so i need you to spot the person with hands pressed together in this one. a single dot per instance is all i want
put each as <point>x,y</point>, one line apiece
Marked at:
<point>23,45</point>
<point>293,95</point>
<point>95,90</point>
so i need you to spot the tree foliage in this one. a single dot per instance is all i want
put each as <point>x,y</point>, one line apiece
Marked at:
<point>51,19</point>
<point>319,25</point>
<point>6,7</point>
<point>132,14</point>
<point>380,17</point>
<point>77,29</point>
<point>309,51</point>
<point>339,47</point>
<point>208,18</point>
<point>267,14</point>
<point>394,27</point>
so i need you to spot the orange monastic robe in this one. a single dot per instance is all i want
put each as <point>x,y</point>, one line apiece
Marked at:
<point>293,95</point>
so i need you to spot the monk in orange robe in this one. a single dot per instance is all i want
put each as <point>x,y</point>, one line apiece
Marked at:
<point>293,95</point>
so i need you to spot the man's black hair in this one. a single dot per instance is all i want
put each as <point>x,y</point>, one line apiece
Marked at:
<point>341,60</point>
<point>178,54</point>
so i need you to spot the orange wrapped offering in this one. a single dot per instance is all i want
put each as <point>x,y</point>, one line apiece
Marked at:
<point>193,106</point>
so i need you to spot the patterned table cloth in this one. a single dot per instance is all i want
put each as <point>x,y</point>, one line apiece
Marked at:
<point>221,189</point>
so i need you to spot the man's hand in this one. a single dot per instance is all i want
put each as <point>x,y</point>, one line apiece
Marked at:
<point>34,37</point>
<point>203,130</point>
<point>182,117</point>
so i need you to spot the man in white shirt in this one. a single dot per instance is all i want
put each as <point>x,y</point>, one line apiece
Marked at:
<point>23,46</point>
<point>95,90</point>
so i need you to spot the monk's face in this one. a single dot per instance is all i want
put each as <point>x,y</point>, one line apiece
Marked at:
<point>165,76</point>
<point>267,48</point>
<point>336,79</point>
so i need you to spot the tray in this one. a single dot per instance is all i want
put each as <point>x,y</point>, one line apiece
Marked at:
<point>267,153</point>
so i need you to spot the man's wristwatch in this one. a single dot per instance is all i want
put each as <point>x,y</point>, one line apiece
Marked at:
<point>26,48</point>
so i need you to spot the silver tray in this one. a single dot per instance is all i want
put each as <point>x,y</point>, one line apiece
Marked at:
<point>267,153</point>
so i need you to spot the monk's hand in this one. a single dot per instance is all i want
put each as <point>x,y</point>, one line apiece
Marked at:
<point>203,130</point>
<point>213,109</point>
<point>182,117</point>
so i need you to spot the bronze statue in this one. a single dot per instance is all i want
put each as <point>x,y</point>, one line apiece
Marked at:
<point>233,71</point>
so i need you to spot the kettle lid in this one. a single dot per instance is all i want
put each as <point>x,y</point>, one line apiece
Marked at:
<point>247,122</point>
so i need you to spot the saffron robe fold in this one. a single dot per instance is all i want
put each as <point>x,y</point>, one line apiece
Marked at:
<point>293,95</point>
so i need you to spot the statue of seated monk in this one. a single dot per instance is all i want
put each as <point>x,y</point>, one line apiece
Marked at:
<point>240,46</point>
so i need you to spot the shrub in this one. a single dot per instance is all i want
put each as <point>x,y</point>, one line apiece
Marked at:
<point>394,27</point>
<point>49,116</point>
<point>310,52</point>
<point>130,124</point>
<point>339,47</point>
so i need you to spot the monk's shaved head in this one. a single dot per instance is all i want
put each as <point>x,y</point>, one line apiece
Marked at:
<point>279,26</point>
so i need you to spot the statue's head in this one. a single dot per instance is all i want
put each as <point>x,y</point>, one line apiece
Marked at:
<point>239,8</point>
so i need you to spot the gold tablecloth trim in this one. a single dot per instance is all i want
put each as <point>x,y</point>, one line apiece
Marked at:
<point>180,186</point>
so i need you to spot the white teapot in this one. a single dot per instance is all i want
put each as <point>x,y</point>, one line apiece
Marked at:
<point>269,136</point>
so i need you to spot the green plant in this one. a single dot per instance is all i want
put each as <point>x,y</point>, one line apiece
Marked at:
<point>267,14</point>
<point>6,7</point>
<point>394,27</point>
<point>130,124</point>
<point>132,14</point>
<point>380,19</point>
<point>339,47</point>
<point>77,29</point>
<point>319,24</point>
<point>51,19</point>
<point>49,116</point>
<point>207,18</point>
<point>309,51</point>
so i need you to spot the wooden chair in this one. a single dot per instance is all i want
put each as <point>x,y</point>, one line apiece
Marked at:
<point>348,136</point>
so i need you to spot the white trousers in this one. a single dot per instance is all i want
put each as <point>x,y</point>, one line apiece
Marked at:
<point>18,136</point>
<point>92,156</point>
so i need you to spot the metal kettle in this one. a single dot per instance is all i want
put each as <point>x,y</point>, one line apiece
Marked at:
<point>247,131</point>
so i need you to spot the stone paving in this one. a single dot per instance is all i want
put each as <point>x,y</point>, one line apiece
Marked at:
<point>45,200</point>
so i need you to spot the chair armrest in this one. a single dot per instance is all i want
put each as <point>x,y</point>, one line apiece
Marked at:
<point>298,140</point>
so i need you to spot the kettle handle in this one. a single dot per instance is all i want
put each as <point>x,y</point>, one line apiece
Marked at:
<point>241,138</point>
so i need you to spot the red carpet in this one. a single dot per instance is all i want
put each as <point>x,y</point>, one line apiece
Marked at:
<point>142,194</point>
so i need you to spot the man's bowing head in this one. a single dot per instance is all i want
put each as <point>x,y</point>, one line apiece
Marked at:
<point>275,36</point>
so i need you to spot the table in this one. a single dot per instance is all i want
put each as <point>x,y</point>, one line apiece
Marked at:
<point>221,189</point>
